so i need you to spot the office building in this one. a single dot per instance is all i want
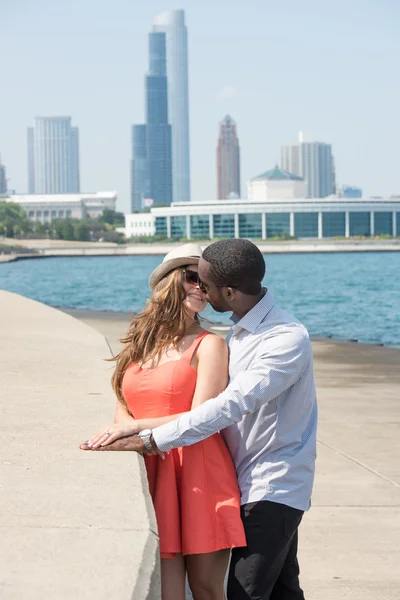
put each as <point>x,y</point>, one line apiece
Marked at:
<point>53,156</point>
<point>228,160</point>
<point>151,167</point>
<point>172,24</point>
<point>3,179</point>
<point>347,191</point>
<point>45,208</point>
<point>140,183</point>
<point>314,162</point>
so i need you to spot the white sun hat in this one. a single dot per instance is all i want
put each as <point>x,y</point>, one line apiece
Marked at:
<point>188,254</point>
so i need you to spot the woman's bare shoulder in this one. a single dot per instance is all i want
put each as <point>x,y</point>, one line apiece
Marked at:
<point>212,343</point>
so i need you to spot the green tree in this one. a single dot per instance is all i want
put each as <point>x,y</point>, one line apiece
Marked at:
<point>13,219</point>
<point>81,231</point>
<point>112,217</point>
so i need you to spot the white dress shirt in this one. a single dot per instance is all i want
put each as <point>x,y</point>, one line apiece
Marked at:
<point>268,412</point>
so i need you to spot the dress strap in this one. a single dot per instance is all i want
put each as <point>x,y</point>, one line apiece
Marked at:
<point>188,354</point>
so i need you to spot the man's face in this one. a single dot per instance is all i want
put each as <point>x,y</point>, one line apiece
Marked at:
<point>213,293</point>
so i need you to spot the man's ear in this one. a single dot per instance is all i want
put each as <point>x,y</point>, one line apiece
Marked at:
<point>230,292</point>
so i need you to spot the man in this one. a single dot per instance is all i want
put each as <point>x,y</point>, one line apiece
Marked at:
<point>268,415</point>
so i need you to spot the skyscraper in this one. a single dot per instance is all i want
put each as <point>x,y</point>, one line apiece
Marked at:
<point>228,160</point>
<point>151,168</point>
<point>172,23</point>
<point>314,162</point>
<point>140,184</point>
<point>53,156</point>
<point>3,179</point>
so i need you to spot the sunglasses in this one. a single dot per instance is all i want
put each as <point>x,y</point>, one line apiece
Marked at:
<point>191,277</point>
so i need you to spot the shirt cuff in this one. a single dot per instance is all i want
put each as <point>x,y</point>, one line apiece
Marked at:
<point>166,436</point>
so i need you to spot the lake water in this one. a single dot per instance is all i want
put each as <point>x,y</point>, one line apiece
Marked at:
<point>349,295</point>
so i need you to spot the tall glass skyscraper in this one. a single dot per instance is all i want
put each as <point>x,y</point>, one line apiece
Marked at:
<point>151,167</point>
<point>172,23</point>
<point>314,162</point>
<point>228,160</point>
<point>53,156</point>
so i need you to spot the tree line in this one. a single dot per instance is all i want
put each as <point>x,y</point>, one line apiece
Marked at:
<point>15,224</point>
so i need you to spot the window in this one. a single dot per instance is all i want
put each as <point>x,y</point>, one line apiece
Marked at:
<point>60,213</point>
<point>383,223</point>
<point>306,225</point>
<point>224,226</point>
<point>53,213</point>
<point>38,214</point>
<point>178,227</point>
<point>398,224</point>
<point>278,224</point>
<point>67,213</point>
<point>360,223</point>
<point>31,214</point>
<point>250,226</point>
<point>333,224</point>
<point>161,226</point>
<point>200,227</point>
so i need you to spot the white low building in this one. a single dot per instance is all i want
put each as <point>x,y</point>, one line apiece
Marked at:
<point>45,208</point>
<point>276,184</point>
<point>300,217</point>
<point>138,225</point>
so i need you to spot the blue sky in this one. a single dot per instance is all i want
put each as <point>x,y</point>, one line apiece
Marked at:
<point>330,69</point>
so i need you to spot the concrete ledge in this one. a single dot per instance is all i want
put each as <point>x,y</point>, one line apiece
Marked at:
<point>73,524</point>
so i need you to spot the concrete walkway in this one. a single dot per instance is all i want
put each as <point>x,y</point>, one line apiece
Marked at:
<point>74,525</point>
<point>350,539</point>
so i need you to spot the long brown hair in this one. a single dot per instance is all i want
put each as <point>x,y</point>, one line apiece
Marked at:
<point>160,324</point>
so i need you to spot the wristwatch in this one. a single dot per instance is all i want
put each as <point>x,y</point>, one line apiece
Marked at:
<point>145,435</point>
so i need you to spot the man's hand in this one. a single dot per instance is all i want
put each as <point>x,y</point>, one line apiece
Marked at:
<point>132,443</point>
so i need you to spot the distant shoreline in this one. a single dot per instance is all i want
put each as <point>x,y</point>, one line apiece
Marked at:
<point>59,248</point>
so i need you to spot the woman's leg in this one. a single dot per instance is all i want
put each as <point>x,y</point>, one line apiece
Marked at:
<point>173,575</point>
<point>206,574</point>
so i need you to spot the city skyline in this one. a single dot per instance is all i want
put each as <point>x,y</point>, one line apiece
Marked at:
<point>344,93</point>
<point>53,156</point>
<point>172,23</point>
<point>228,160</point>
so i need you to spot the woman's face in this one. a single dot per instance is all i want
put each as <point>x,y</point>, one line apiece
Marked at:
<point>195,300</point>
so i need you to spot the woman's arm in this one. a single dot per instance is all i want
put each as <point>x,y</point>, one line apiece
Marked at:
<point>212,369</point>
<point>122,414</point>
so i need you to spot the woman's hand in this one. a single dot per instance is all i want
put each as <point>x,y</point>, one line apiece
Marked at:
<point>109,434</point>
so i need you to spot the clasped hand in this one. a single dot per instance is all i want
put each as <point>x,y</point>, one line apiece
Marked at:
<point>108,435</point>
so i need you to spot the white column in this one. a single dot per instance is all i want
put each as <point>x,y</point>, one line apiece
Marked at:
<point>211,222</point>
<point>394,224</point>
<point>320,226</point>
<point>347,224</point>
<point>291,224</point>
<point>236,225</point>
<point>372,221</point>
<point>263,226</point>
<point>188,231</point>
<point>168,227</point>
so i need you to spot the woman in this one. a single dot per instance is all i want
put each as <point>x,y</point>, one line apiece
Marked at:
<point>169,364</point>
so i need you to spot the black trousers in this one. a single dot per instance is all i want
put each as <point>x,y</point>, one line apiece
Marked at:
<point>267,569</point>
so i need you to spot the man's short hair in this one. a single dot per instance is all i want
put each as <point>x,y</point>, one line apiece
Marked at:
<point>236,263</point>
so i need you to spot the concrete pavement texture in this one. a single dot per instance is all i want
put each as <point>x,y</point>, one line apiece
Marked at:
<point>350,539</point>
<point>73,524</point>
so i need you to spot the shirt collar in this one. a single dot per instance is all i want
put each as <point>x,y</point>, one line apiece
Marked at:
<point>256,315</point>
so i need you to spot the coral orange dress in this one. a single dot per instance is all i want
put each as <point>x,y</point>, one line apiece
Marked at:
<point>194,489</point>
